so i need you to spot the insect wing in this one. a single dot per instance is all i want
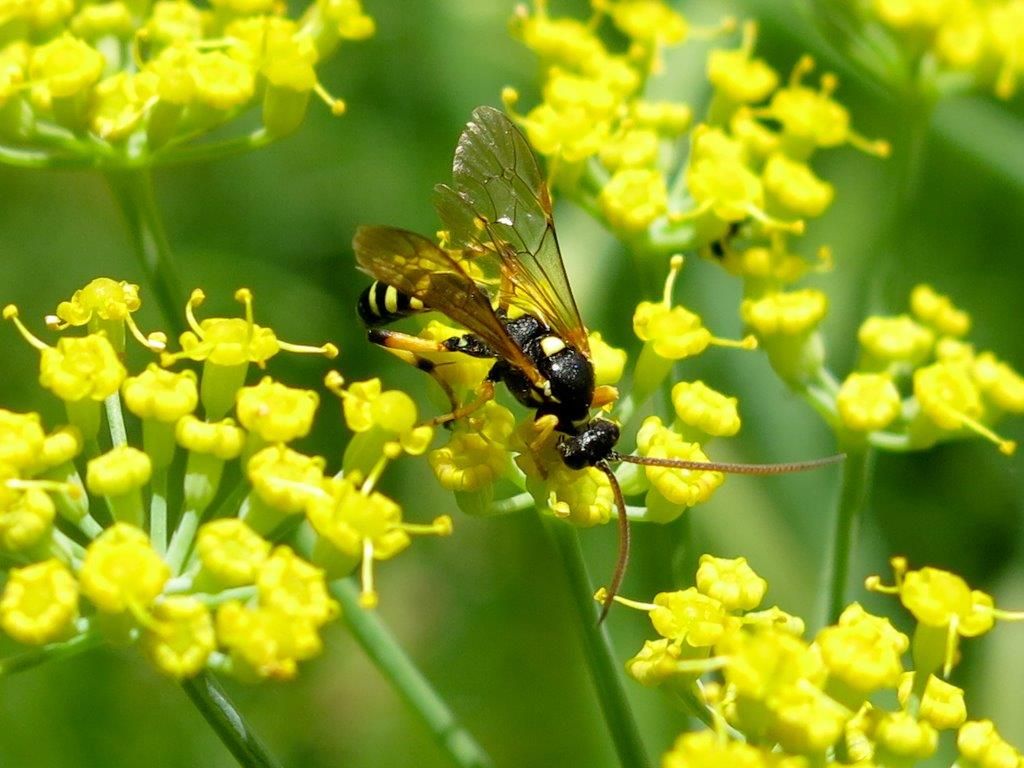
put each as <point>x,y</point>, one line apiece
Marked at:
<point>500,202</point>
<point>414,265</point>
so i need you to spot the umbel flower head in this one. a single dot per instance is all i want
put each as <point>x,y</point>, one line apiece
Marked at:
<point>776,699</point>
<point>91,544</point>
<point>110,85</point>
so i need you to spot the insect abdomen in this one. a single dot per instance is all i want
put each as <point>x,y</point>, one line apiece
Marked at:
<point>381,303</point>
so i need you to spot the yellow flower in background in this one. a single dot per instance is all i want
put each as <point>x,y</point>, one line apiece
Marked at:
<point>179,71</point>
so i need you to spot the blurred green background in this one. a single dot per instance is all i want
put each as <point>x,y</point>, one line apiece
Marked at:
<point>485,613</point>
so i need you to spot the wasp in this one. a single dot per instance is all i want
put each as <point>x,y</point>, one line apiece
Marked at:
<point>501,277</point>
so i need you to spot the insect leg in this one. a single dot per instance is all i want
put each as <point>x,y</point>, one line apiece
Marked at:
<point>411,348</point>
<point>484,393</point>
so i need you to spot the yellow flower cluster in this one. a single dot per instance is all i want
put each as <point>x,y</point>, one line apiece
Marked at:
<point>744,181</point>
<point>231,594</point>
<point>796,700</point>
<point>121,84</point>
<point>921,381</point>
<point>981,38</point>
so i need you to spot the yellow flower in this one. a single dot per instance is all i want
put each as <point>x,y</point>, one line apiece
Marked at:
<point>789,313</point>
<point>26,517</point>
<point>732,582</point>
<point>724,185</point>
<point>265,640</point>
<point>741,78</point>
<point>180,637</point>
<point>939,598</point>
<point>121,571</point>
<point>895,339</point>
<point>706,749</point>
<point>656,662</point>
<point>609,362</point>
<point>102,19</point>
<point>277,413</point>
<point>217,438</point>
<point>868,401</point>
<point>942,704</point>
<point>766,662</point>
<point>863,652</point>
<point>633,198</point>
<point>812,118</point>
<point>117,472</point>
<point>631,149</point>
<point>679,486</point>
<point>21,439</point>
<point>477,454</point>
<point>64,67</point>
<point>289,584</point>
<point>697,405</point>
<point>120,102</point>
<point>902,735</point>
<point>366,406</point>
<point>667,117</point>
<point>648,21</point>
<point>173,22</point>
<point>231,551</point>
<point>233,341</point>
<point>981,744</point>
<point>571,134</point>
<point>161,395</point>
<point>583,497</point>
<point>39,603</point>
<point>805,720</point>
<point>1000,383</point>
<point>348,519</point>
<point>691,617</point>
<point>674,332</point>
<point>82,367</point>
<point>285,479</point>
<point>221,82</point>
<point>102,299</point>
<point>938,311</point>
<point>793,185</point>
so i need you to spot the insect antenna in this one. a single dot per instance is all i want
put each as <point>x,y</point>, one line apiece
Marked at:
<point>726,466</point>
<point>712,466</point>
<point>623,558</point>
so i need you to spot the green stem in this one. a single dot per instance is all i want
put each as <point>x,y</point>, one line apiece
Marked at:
<point>158,511</point>
<point>512,504</point>
<point>605,668</point>
<point>133,190</point>
<point>115,420</point>
<point>852,500</point>
<point>227,722</point>
<point>52,652</point>
<point>215,150</point>
<point>380,645</point>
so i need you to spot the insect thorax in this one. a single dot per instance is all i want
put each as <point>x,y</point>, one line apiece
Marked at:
<point>569,375</point>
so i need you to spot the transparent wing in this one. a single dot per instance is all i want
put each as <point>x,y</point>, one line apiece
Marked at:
<point>414,265</point>
<point>500,203</point>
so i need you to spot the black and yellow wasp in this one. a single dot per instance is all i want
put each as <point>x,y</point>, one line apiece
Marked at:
<point>501,277</point>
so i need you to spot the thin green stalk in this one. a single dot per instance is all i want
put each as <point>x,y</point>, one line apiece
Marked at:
<point>512,504</point>
<point>115,420</point>
<point>215,150</point>
<point>52,652</point>
<point>380,645</point>
<point>853,497</point>
<point>605,668</point>
<point>158,511</point>
<point>227,722</point>
<point>133,190</point>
